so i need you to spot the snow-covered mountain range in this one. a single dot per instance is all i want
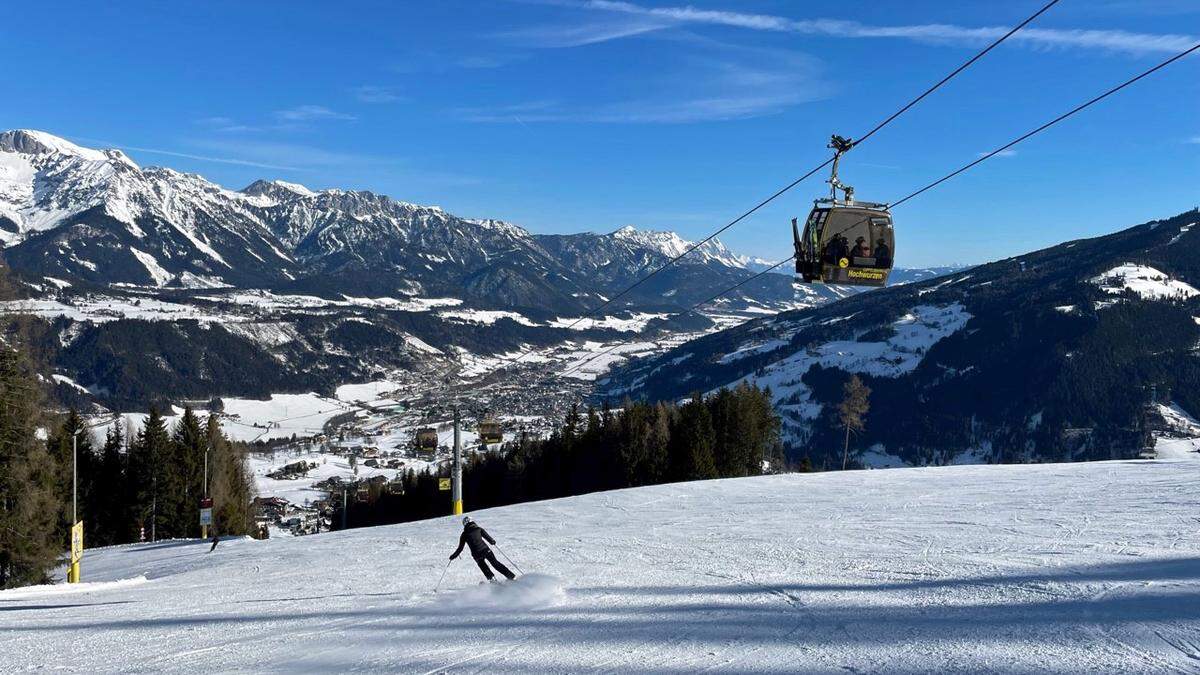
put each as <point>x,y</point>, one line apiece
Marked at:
<point>79,214</point>
<point>279,288</point>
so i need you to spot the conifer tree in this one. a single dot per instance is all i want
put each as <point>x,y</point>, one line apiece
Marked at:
<point>758,428</point>
<point>571,430</point>
<point>151,478</point>
<point>633,431</point>
<point>658,444</point>
<point>110,509</point>
<point>29,498</point>
<point>692,444</point>
<point>730,430</point>
<point>231,483</point>
<point>189,444</point>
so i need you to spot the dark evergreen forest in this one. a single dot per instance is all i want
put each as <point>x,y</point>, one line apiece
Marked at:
<point>732,433</point>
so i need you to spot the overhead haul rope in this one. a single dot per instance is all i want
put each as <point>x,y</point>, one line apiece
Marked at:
<point>941,180</point>
<point>1079,108</point>
<point>966,64</point>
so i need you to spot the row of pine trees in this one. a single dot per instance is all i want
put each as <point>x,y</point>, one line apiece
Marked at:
<point>725,435</point>
<point>149,485</point>
<point>131,485</point>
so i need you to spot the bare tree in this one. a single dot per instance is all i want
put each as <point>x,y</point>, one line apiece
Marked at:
<point>851,412</point>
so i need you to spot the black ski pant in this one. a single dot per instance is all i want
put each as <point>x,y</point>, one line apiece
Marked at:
<point>484,558</point>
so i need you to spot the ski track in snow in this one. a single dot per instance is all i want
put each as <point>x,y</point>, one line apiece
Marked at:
<point>1060,568</point>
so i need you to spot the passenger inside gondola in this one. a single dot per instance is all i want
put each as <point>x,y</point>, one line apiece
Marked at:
<point>835,250</point>
<point>883,253</point>
<point>861,250</point>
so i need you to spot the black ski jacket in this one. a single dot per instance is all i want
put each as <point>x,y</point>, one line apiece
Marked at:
<point>473,536</point>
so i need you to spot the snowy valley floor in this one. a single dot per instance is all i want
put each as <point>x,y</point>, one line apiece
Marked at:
<point>1054,568</point>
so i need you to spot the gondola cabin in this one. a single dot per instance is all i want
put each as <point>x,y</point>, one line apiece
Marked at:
<point>846,243</point>
<point>426,439</point>
<point>490,432</point>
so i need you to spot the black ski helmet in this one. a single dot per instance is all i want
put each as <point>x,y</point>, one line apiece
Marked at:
<point>466,521</point>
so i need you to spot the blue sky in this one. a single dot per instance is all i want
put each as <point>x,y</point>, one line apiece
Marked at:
<point>565,116</point>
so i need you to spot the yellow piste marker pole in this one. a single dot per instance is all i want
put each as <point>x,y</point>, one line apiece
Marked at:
<point>77,528</point>
<point>456,470</point>
<point>76,552</point>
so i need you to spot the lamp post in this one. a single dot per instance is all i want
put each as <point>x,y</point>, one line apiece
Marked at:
<point>204,502</point>
<point>75,477</point>
<point>76,539</point>
<point>456,497</point>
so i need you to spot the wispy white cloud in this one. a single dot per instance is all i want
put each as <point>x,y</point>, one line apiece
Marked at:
<point>1144,7</point>
<point>561,36</point>
<point>1112,40</point>
<point>1003,153</point>
<point>300,158</point>
<point>223,125</point>
<point>699,80</point>
<point>372,93</point>
<point>187,155</point>
<point>714,109</point>
<point>311,113</point>
<point>341,164</point>
<point>298,155</point>
<point>485,61</point>
<point>1194,139</point>
<point>421,61</point>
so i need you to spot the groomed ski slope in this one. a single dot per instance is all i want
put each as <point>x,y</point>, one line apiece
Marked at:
<point>1037,568</point>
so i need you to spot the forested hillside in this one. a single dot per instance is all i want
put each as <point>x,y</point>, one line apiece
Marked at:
<point>1053,355</point>
<point>732,433</point>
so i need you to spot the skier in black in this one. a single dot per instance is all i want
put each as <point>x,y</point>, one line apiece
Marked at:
<point>473,536</point>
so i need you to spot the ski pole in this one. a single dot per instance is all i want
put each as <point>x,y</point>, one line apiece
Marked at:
<point>510,560</point>
<point>444,569</point>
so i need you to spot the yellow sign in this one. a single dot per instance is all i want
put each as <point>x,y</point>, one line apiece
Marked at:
<point>76,552</point>
<point>844,263</point>
<point>77,542</point>
<point>443,484</point>
<point>865,274</point>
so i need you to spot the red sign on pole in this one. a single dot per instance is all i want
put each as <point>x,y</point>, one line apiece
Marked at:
<point>206,503</point>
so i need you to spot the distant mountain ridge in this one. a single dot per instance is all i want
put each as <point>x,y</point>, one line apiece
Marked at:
<point>277,287</point>
<point>76,213</point>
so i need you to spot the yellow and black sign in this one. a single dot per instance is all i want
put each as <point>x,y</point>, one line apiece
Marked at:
<point>77,542</point>
<point>443,484</point>
<point>76,552</point>
<point>874,275</point>
<point>844,263</point>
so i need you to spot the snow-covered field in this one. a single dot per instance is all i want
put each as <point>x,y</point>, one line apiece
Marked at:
<point>1182,440</point>
<point>247,419</point>
<point>1145,281</point>
<point>1037,568</point>
<point>910,339</point>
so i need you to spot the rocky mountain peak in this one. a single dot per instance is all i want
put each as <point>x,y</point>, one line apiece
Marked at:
<point>32,142</point>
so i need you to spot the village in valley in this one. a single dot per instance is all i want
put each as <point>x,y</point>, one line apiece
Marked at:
<point>304,482</point>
